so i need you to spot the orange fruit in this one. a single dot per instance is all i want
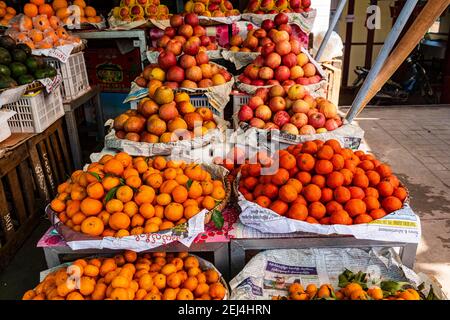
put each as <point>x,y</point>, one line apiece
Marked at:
<point>110,182</point>
<point>92,226</point>
<point>335,179</point>
<point>279,207</point>
<point>384,170</point>
<point>91,206</point>
<point>385,189</point>
<point>288,193</point>
<point>297,212</point>
<point>399,193</point>
<point>304,177</point>
<point>114,205</point>
<point>372,203</point>
<point>30,10</point>
<point>217,291</point>
<point>317,210</point>
<point>145,194</point>
<point>355,207</point>
<point>173,211</point>
<point>340,217</point>
<point>95,190</point>
<point>119,220</point>
<point>391,204</point>
<point>263,201</point>
<point>124,158</point>
<point>113,166</point>
<point>312,193</point>
<point>342,194</point>
<point>57,205</point>
<point>362,218</point>
<point>190,211</point>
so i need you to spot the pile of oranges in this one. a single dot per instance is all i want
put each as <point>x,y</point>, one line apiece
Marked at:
<point>121,195</point>
<point>157,276</point>
<point>6,14</point>
<point>352,291</point>
<point>323,183</point>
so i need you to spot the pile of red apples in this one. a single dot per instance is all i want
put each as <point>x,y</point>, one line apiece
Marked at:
<point>275,6</point>
<point>281,60</point>
<point>293,111</point>
<point>257,38</point>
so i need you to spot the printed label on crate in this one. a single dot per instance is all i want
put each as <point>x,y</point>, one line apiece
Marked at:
<point>400,226</point>
<point>61,53</point>
<point>51,84</point>
<point>12,95</point>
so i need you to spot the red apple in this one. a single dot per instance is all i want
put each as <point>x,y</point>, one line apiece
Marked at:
<point>272,82</point>
<point>273,60</point>
<point>259,61</point>
<point>285,27</point>
<point>283,47</point>
<point>186,31</point>
<point>277,91</point>
<point>176,20</point>
<point>267,49</point>
<point>170,32</point>
<point>267,24</point>
<point>302,81</point>
<point>202,58</point>
<point>317,120</point>
<point>191,19</point>
<point>296,72</point>
<point>264,41</point>
<point>300,106</point>
<point>271,126</point>
<point>296,48</point>
<point>174,46</point>
<point>277,104</point>
<point>205,40</point>
<point>287,84</point>
<point>307,130</point>
<point>295,4</point>
<point>258,83</point>
<point>171,84</point>
<point>244,79</point>
<point>299,120</point>
<point>280,19</point>
<point>289,60</point>
<point>296,92</point>
<point>263,112</point>
<point>282,73</point>
<point>245,113</point>
<point>263,93</point>
<point>265,73</point>
<point>251,71</point>
<point>175,74</point>
<point>290,128</point>
<point>309,69</point>
<point>306,3</point>
<point>191,47</point>
<point>260,33</point>
<point>281,118</point>
<point>257,123</point>
<point>331,125</point>
<point>166,60</point>
<point>187,61</point>
<point>199,31</point>
<point>279,36</point>
<point>255,102</point>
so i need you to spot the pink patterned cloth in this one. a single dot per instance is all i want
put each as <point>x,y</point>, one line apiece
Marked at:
<point>51,238</point>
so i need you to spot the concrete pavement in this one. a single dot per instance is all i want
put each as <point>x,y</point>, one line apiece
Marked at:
<point>415,141</point>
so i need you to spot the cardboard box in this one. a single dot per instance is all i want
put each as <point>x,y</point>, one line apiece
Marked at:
<point>111,70</point>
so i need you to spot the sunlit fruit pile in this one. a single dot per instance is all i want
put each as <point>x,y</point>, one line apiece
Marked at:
<point>128,276</point>
<point>138,10</point>
<point>257,38</point>
<point>40,31</point>
<point>6,13</point>
<point>321,182</point>
<point>211,8</point>
<point>281,62</point>
<point>294,111</point>
<point>191,70</point>
<point>121,196</point>
<point>356,288</point>
<point>164,117</point>
<point>68,10</point>
<point>275,6</point>
<point>184,35</point>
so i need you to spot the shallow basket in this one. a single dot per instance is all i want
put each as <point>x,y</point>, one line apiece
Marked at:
<point>74,75</point>
<point>35,112</point>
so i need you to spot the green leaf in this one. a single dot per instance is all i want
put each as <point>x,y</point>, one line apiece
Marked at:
<point>189,184</point>
<point>122,181</point>
<point>95,175</point>
<point>111,194</point>
<point>217,219</point>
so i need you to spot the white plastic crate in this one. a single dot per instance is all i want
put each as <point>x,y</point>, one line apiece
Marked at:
<point>36,112</point>
<point>74,75</point>
<point>239,99</point>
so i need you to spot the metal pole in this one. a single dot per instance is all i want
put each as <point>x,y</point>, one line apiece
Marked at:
<point>382,56</point>
<point>334,21</point>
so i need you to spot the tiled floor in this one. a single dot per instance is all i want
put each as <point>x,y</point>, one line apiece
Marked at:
<point>416,142</point>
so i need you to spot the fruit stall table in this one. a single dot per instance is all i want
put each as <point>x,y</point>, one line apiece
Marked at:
<point>92,96</point>
<point>137,34</point>
<point>245,239</point>
<point>211,240</point>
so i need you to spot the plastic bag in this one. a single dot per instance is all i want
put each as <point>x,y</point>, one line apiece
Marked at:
<point>333,49</point>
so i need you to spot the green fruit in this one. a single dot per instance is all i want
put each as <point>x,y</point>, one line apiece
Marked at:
<point>25,79</point>
<point>19,55</point>
<point>5,56</point>
<point>25,48</point>
<point>7,42</point>
<point>4,70</point>
<point>32,64</point>
<point>51,72</point>
<point>18,69</point>
<point>40,74</point>
<point>7,82</point>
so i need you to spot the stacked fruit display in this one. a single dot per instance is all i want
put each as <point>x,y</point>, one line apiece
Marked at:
<point>164,118</point>
<point>68,10</point>
<point>6,14</point>
<point>356,288</point>
<point>128,276</point>
<point>276,6</point>
<point>281,61</point>
<point>211,8</point>
<point>18,66</point>
<point>181,31</point>
<point>138,10</point>
<point>323,183</point>
<point>293,111</point>
<point>257,38</point>
<point>121,196</point>
<point>40,32</point>
<point>191,70</point>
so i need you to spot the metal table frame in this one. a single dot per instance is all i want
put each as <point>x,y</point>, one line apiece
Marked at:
<point>119,34</point>
<point>238,247</point>
<point>69,110</point>
<point>220,251</point>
